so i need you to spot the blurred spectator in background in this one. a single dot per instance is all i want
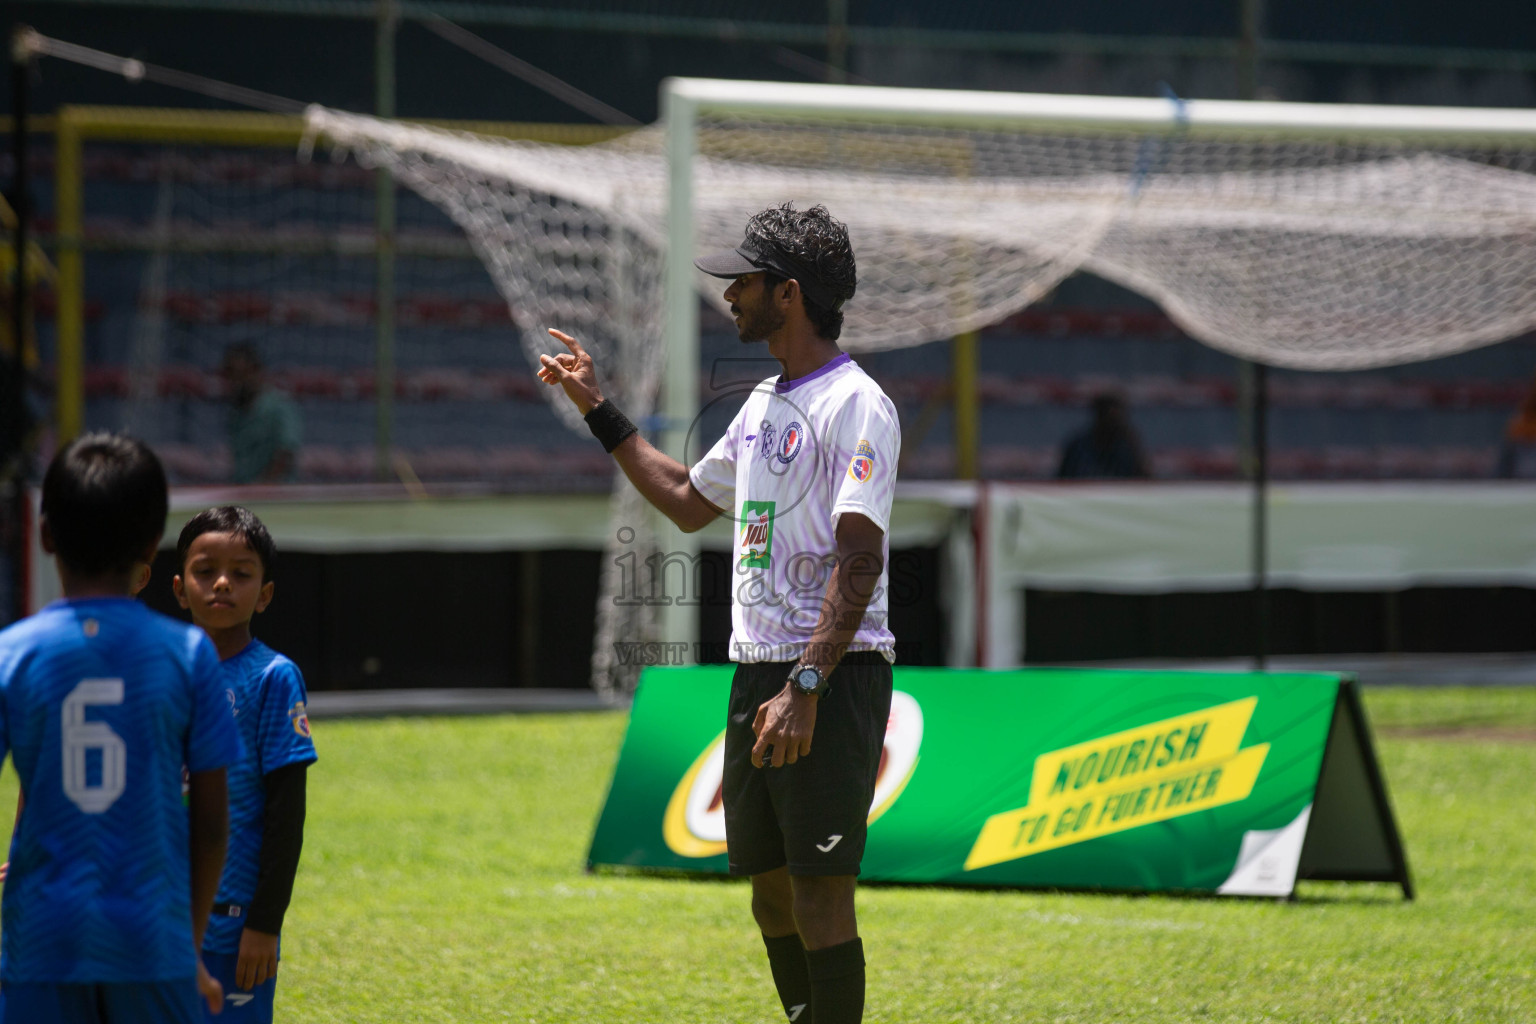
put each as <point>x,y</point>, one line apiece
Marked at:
<point>264,426</point>
<point>1107,448</point>
<point>1517,456</point>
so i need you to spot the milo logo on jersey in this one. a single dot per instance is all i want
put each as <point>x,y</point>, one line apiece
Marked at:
<point>756,545</point>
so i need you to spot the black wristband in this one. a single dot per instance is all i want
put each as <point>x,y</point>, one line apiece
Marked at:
<point>609,425</point>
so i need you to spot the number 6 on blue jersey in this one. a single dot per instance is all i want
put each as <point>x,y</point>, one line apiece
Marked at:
<point>81,737</point>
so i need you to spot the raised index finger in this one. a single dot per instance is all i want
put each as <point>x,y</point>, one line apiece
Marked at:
<point>570,342</point>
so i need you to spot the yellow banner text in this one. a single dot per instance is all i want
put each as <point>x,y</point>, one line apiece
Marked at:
<point>1151,773</point>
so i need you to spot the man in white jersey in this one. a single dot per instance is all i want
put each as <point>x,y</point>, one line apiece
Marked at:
<point>807,469</point>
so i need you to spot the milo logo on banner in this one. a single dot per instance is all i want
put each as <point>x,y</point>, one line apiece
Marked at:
<point>756,534</point>
<point>694,823</point>
<point>1154,772</point>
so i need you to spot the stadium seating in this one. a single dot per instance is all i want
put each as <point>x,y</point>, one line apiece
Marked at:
<point>461,377</point>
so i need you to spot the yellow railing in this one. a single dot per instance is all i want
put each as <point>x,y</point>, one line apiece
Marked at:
<point>38,269</point>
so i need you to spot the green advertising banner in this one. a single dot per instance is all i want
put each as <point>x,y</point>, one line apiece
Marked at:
<point>1216,782</point>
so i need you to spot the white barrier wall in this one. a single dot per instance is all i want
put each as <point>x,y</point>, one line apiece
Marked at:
<point>996,538</point>
<point>352,520</point>
<point>1157,538</point>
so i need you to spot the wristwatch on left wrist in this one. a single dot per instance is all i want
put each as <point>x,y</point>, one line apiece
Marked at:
<point>808,680</point>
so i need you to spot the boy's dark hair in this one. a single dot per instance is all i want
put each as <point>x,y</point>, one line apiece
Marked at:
<point>241,522</point>
<point>817,241</point>
<point>105,499</point>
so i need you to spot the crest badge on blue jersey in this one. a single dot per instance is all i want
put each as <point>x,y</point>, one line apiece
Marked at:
<point>299,715</point>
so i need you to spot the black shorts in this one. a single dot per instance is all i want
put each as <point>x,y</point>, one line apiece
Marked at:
<point>814,814</point>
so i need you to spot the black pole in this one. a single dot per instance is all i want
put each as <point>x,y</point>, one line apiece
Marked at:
<point>837,41</point>
<point>14,421</point>
<point>1251,16</point>
<point>1260,515</point>
<point>21,62</point>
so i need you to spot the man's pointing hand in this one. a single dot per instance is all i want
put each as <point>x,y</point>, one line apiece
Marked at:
<point>573,371</point>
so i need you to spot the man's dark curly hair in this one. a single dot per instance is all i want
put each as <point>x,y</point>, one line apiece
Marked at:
<point>817,241</point>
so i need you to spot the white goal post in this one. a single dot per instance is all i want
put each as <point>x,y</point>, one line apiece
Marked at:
<point>685,101</point>
<point>1308,236</point>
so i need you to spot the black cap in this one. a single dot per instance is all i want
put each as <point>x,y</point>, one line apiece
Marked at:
<point>747,258</point>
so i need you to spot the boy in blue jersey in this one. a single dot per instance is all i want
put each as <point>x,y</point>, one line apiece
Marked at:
<point>225,555</point>
<point>102,702</point>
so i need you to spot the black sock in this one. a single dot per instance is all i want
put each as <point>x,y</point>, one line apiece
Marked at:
<point>786,958</point>
<point>837,983</point>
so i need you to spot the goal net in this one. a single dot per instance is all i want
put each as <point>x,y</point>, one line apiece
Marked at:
<point>1302,236</point>
<point>185,233</point>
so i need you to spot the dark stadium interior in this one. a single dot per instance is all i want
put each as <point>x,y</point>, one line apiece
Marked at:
<point>1078,626</point>
<point>342,619</point>
<point>468,409</point>
<point>619,54</point>
<point>467,406</point>
<point>466,403</point>
<point>1192,403</point>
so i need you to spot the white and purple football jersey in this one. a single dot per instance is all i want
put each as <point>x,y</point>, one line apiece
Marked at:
<point>798,455</point>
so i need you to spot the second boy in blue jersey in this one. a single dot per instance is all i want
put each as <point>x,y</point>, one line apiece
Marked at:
<point>226,556</point>
<point>102,703</point>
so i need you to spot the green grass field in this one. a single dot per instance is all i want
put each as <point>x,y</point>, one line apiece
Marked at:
<point>443,881</point>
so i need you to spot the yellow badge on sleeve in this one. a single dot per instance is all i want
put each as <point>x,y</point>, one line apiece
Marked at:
<point>862,466</point>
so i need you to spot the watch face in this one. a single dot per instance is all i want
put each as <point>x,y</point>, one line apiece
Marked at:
<point>807,679</point>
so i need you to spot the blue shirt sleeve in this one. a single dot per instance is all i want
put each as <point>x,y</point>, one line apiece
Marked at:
<point>7,670</point>
<point>5,696</point>
<point>214,739</point>
<point>282,733</point>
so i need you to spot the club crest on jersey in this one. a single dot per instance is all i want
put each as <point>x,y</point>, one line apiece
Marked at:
<point>862,466</point>
<point>234,703</point>
<point>756,534</point>
<point>765,443</point>
<point>789,443</point>
<point>299,715</point>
